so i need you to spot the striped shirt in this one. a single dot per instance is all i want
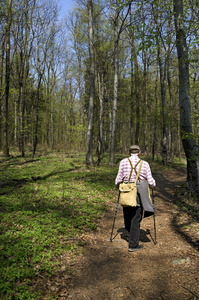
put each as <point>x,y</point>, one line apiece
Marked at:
<point>125,169</point>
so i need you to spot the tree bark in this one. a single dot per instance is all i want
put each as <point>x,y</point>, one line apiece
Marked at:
<point>132,81</point>
<point>7,81</point>
<point>2,92</point>
<point>37,117</point>
<point>189,144</point>
<point>196,109</point>
<point>137,96</point>
<point>115,93</point>
<point>89,157</point>
<point>162,70</point>
<point>101,112</point>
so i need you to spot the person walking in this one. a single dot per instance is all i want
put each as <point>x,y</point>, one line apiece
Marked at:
<point>133,215</point>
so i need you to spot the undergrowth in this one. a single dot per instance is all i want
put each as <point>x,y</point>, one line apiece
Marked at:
<point>45,204</point>
<point>186,201</point>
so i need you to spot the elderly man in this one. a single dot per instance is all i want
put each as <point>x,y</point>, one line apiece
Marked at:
<point>133,215</point>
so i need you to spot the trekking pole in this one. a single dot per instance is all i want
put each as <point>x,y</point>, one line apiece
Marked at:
<point>155,242</point>
<point>115,217</point>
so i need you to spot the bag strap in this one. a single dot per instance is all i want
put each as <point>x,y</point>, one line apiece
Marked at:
<point>138,172</point>
<point>133,168</point>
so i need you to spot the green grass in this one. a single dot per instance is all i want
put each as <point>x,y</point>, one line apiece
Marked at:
<point>44,204</point>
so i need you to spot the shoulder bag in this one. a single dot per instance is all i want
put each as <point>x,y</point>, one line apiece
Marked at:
<point>128,191</point>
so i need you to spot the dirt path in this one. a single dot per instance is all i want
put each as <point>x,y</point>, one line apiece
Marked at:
<point>168,270</point>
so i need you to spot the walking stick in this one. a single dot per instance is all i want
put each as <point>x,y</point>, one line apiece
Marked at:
<point>155,242</point>
<point>115,217</point>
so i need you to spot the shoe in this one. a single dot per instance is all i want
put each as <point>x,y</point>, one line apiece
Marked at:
<point>139,247</point>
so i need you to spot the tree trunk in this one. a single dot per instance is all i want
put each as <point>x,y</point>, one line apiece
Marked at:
<point>1,85</point>
<point>101,112</point>
<point>37,117</point>
<point>162,70</point>
<point>145,104</point>
<point>7,81</point>
<point>189,144</point>
<point>89,157</point>
<point>115,94</point>
<point>137,82</point>
<point>22,109</point>
<point>132,82</point>
<point>52,124</point>
<point>117,32</point>
<point>196,110</point>
<point>156,144</point>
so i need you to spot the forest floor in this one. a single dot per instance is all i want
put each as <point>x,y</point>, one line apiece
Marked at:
<point>167,270</point>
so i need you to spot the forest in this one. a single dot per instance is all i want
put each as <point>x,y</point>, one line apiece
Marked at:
<point>76,91</point>
<point>108,75</point>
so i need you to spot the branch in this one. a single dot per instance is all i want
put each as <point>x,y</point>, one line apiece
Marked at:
<point>121,27</point>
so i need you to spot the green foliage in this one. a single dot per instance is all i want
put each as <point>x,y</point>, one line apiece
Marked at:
<point>186,201</point>
<point>45,203</point>
<point>187,136</point>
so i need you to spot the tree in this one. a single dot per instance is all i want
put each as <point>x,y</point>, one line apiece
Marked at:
<point>46,31</point>
<point>163,59</point>
<point>117,9</point>
<point>190,147</point>
<point>23,47</point>
<point>89,158</point>
<point>7,79</point>
<point>74,24</point>
<point>2,92</point>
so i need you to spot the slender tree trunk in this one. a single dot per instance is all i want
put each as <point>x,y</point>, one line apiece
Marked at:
<point>156,134</point>
<point>89,156</point>
<point>115,94</point>
<point>162,70</point>
<point>37,117</point>
<point>52,123</point>
<point>189,144</point>
<point>196,109</point>
<point>7,81</point>
<point>80,99</point>
<point>132,100</point>
<point>132,82</point>
<point>145,105</point>
<point>101,112</point>
<point>22,109</point>
<point>2,92</point>
<point>117,32</point>
<point>171,130</point>
<point>144,88</point>
<point>137,93</point>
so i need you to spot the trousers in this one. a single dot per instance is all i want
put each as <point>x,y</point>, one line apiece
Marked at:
<point>132,220</point>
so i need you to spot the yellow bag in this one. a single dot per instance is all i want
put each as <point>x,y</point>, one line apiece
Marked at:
<point>128,191</point>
